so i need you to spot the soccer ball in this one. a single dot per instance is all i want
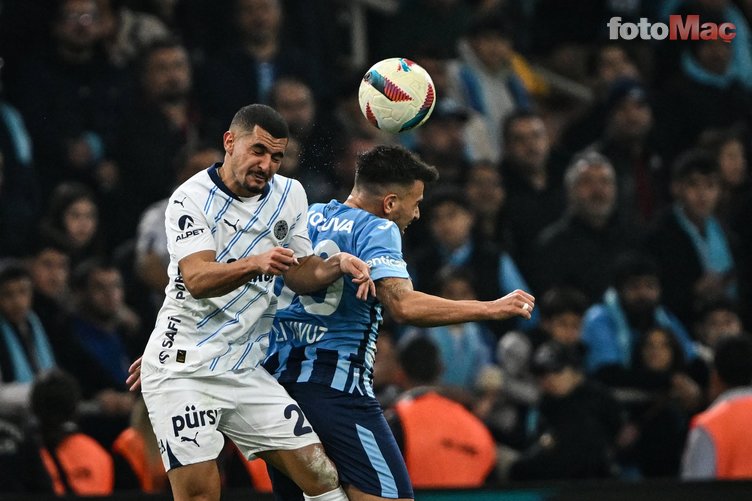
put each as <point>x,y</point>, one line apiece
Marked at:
<point>396,95</point>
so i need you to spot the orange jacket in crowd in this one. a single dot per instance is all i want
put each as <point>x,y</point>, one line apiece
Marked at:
<point>87,467</point>
<point>151,474</point>
<point>445,445</point>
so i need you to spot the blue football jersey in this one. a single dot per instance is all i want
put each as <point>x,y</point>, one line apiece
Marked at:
<point>329,337</point>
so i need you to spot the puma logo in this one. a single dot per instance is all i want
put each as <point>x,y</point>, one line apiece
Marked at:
<point>231,225</point>
<point>188,439</point>
<point>180,202</point>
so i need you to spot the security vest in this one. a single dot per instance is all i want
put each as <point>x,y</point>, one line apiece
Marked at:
<point>445,445</point>
<point>151,475</point>
<point>728,424</point>
<point>87,467</point>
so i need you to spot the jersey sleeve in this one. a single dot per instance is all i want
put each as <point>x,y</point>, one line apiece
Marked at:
<point>381,249</point>
<point>300,241</point>
<point>188,230</point>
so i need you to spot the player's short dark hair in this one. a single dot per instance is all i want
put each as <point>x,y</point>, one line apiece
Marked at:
<point>419,357</point>
<point>386,164</point>
<point>560,300</point>
<point>733,360</point>
<point>262,115</point>
<point>694,161</point>
<point>11,270</point>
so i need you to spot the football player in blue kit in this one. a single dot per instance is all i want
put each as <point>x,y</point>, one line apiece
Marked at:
<point>323,345</point>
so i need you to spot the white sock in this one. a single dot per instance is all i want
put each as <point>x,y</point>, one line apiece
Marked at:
<point>337,494</point>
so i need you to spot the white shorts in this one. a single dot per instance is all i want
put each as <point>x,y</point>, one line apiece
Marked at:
<point>190,415</point>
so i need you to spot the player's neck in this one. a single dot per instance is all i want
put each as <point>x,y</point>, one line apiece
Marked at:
<point>357,201</point>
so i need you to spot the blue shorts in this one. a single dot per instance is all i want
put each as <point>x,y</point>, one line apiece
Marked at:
<point>356,437</point>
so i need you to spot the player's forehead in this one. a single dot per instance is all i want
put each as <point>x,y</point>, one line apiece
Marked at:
<point>259,135</point>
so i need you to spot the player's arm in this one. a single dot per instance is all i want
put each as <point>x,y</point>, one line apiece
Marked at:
<point>409,306</point>
<point>315,273</point>
<point>205,277</point>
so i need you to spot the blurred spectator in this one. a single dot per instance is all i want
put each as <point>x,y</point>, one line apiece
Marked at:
<point>152,257</point>
<point>693,250</point>
<point>386,366</point>
<point>506,409</point>
<point>71,97</point>
<point>578,250</point>
<point>493,273</point>
<point>49,266</point>
<point>102,328</point>
<point>717,318</point>
<point>610,61</point>
<point>441,141</point>
<point>21,467</point>
<point>662,399</point>
<point>25,349</point>
<point>137,455</point>
<point>627,141</point>
<point>75,462</point>
<point>73,218</point>
<point>725,11</point>
<point>345,163</point>
<point>532,178</point>
<point>156,127</point>
<point>630,307</point>
<point>487,77</point>
<point>719,442</point>
<point>422,22</point>
<point>464,349</point>
<point>727,147</point>
<point>561,311</point>
<point>246,71</point>
<point>437,61</point>
<point>570,404</point>
<point>126,32</point>
<point>706,91</point>
<point>19,190</point>
<point>314,131</point>
<point>487,197</point>
<point>436,455</point>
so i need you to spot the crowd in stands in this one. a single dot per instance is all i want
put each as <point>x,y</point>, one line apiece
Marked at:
<point>608,178</point>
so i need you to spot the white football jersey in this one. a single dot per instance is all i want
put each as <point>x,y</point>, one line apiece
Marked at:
<point>213,335</point>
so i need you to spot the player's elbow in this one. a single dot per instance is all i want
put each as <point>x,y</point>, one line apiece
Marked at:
<point>399,312</point>
<point>195,288</point>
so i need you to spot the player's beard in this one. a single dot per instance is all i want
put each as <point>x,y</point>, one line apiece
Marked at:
<point>254,188</point>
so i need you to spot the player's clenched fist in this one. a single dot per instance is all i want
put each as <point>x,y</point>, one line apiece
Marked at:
<point>516,303</point>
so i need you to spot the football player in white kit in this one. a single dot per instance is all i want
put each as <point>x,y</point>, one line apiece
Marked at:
<point>231,229</point>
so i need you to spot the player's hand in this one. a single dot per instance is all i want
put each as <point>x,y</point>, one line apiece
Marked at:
<point>134,376</point>
<point>516,303</point>
<point>361,273</point>
<point>275,261</point>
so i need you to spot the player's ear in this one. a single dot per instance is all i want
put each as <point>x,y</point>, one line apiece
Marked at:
<point>390,202</point>
<point>228,139</point>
